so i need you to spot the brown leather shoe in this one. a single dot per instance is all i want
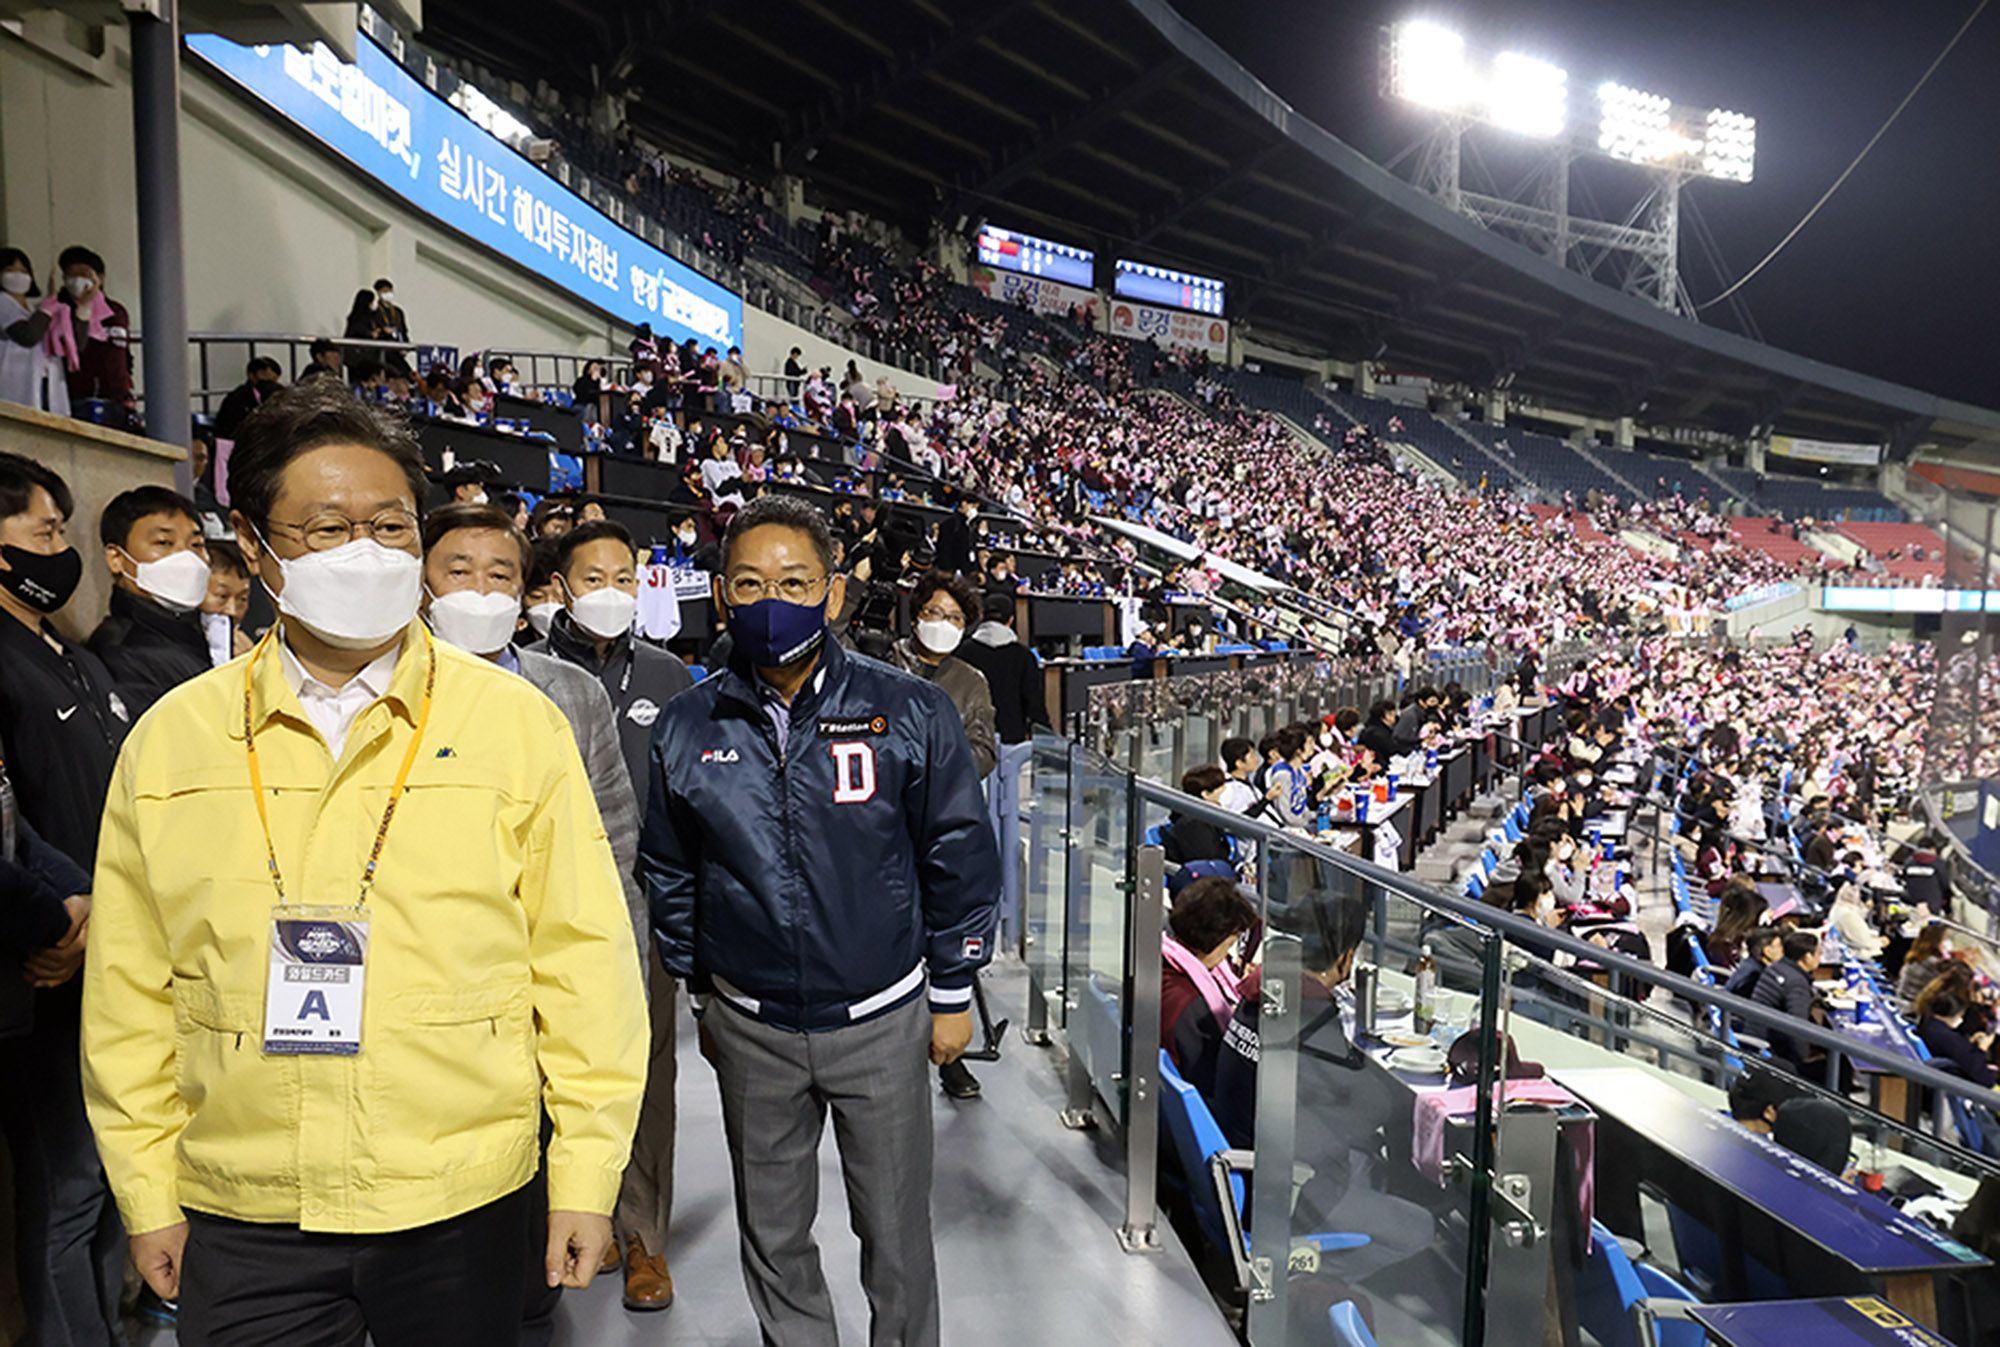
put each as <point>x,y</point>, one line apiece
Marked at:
<point>611,1261</point>
<point>648,1286</point>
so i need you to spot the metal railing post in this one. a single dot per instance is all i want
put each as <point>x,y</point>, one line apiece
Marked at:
<point>1140,1233</point>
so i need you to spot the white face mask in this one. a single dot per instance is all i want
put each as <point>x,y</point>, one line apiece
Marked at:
<point>179,579</point>
<point>479,498</point>
<point>353,596</point>
<point>605,613</point>
<point>220,633</point>
<point>940,638</point>
<point>540,615</point>
<point>475,622</point>
<point>79,286</point>
<point>16,282</point>
<point>388,296</point>
<point>1545,907</point>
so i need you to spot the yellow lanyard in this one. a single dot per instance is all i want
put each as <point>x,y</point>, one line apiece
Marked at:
<point>395,791</point>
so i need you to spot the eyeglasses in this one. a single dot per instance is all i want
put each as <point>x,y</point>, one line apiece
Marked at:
<point>394,528</point>
<point>743,590</point>
<point>943,614</point>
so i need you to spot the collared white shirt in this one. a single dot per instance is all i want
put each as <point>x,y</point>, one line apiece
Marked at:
<point>332,710</point>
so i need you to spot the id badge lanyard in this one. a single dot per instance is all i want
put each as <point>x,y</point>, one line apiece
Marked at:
<point>319,953</point>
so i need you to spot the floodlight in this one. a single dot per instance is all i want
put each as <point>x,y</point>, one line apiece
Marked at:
<point>1631,124</point>
<point>1528,96</point>
<point>1730,150</point>
<point>1427,66</point>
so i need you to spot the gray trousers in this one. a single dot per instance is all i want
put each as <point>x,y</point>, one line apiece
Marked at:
<point>777,1088</point>
<point>646,1197</point>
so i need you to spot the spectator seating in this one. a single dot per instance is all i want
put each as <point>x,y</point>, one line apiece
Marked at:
<point>1893,545</point>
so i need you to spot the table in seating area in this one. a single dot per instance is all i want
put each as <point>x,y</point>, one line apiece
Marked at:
<point>1401,813</point>
<point>1762,1201</point>
<point>1852,1321</point>
<point>1518,1277</point>
<point>1873,1020</point>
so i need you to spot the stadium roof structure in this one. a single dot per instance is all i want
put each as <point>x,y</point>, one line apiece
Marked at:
<point>1117,125</point>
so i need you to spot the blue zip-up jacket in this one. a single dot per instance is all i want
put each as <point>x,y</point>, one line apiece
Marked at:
<point>812,887</point>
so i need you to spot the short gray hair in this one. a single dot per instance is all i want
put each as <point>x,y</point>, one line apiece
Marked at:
<point>785,512</point>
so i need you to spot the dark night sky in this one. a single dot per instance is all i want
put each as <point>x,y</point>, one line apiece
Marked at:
<point>1897,277</point>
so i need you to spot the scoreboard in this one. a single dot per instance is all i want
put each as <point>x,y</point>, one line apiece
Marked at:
<point>1163,285</point>
<point>1006,250</point>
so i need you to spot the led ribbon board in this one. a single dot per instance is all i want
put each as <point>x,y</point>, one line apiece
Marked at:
<point>376,116</point>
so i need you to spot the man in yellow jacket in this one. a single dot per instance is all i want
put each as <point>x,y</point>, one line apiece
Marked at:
<point>356,927</point>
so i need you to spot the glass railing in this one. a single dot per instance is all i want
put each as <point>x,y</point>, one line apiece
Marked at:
<point>1427,1160</point>
<point>1318,1177</point>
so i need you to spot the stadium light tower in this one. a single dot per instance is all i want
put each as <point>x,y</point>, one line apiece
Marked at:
<point>1430,66</point>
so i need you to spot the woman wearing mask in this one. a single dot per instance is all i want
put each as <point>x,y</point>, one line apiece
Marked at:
<point>1565,873</point>
<point>363,324</point>
<point>943,607</point>
<point>722,475</point>
<point>589,391</point>
<point>29,373</point>
<point>91,334</point>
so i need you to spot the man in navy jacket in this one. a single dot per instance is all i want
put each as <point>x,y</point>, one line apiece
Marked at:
<point>818,860</point>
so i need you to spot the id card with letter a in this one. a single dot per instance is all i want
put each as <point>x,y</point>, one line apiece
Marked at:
<point>312,1004</point>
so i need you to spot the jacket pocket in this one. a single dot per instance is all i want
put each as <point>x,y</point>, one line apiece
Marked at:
<point>244,1107</point>
<point>450,1080</point>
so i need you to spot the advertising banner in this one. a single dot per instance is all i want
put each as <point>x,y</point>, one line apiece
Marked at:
<point>1050,298</point>
<point>1826,451</point>
<point>376,116</point>
<point>1171,327</point>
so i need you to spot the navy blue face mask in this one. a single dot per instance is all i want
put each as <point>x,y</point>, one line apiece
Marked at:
<point>772,633</point>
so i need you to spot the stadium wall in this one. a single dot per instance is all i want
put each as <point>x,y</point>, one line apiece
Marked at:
<point>279,233</point>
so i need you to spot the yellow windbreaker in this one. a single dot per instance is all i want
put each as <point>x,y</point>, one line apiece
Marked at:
<point>501,972</point>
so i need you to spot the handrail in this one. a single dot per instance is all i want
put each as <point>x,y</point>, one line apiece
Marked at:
<point>1520,930</point>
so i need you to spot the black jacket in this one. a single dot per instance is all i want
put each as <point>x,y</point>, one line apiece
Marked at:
<point>641,679</point>
<point>814,886</point>
<point>34,880</point>
<point>1787,987</point>
<point>1187,839</point>
<point>954,544</point>
<point>1948,1043</point>
<point>1342,1103</point>
<point>149,649</point>
<point>1379,739</point>
<point>1015,677</point>
<point>61,724</point>
<point>243,399</point>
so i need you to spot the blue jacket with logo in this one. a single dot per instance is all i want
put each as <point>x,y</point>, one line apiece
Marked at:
<point>813,886</point>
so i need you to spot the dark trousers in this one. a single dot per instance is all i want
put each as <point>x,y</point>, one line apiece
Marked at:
<point>70,1248</point>
<point>456,1283</point>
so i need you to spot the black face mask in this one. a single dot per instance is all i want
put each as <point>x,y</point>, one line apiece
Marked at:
<point>42,582</point>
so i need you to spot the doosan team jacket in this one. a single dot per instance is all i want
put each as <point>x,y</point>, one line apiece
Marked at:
<point>820,884</point>
<point>501,975</point>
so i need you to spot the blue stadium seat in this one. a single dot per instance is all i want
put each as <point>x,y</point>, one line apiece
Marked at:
<point>1214,1174</point>
<point>1610,1288</point>
<point>1698,1253</point>
<point>1349,1328</point>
